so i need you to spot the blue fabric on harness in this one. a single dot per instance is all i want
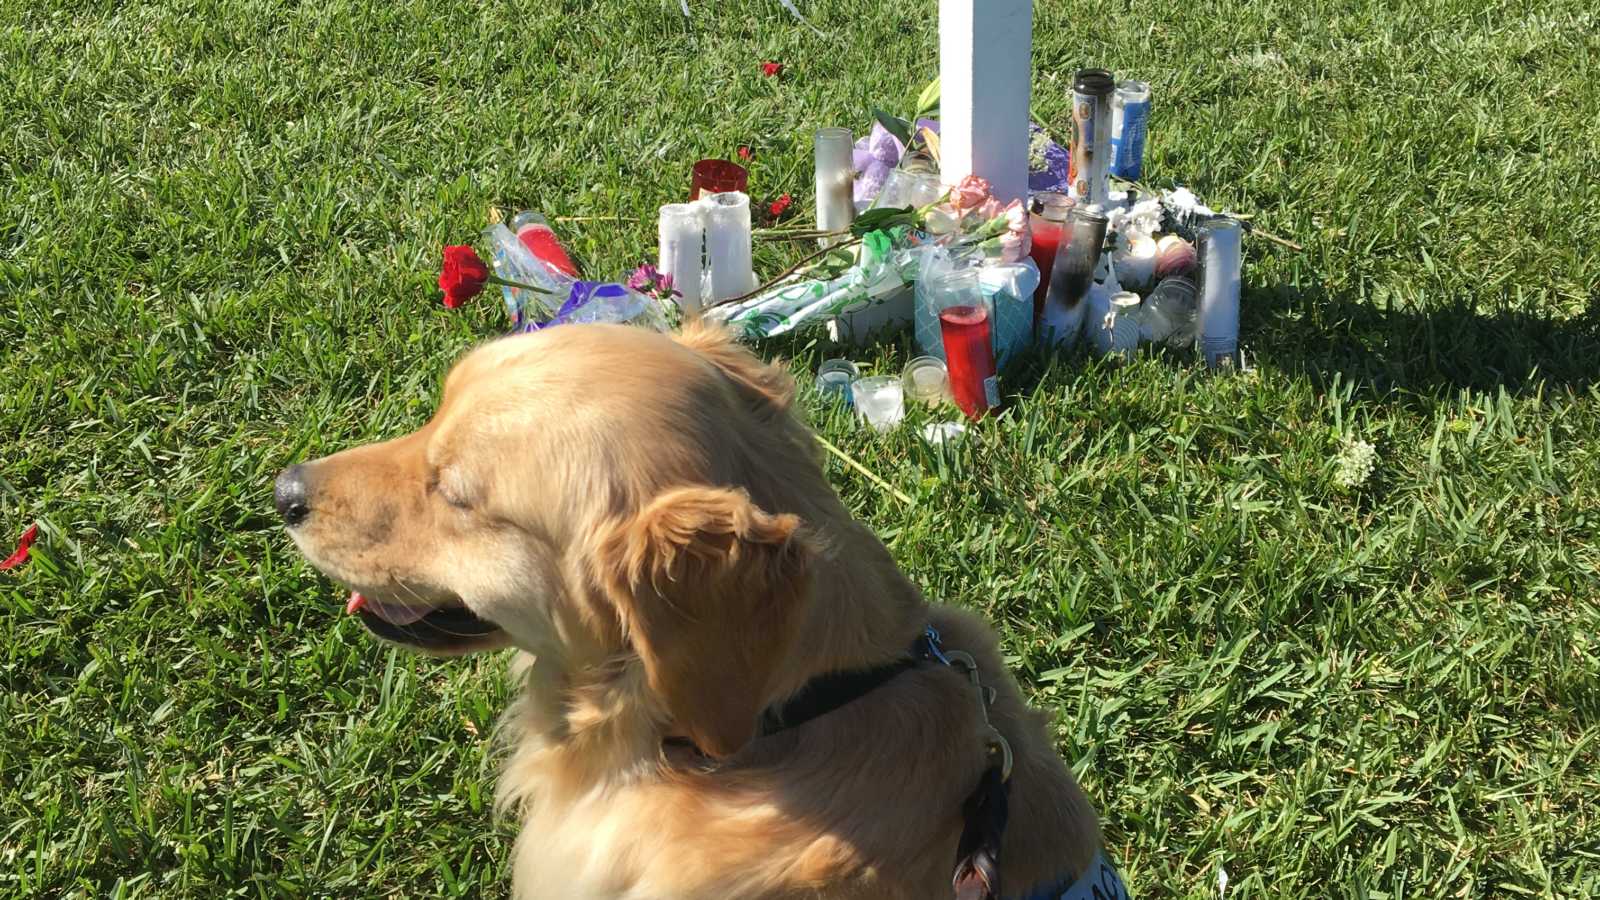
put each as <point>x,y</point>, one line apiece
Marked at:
<point>1101,882</point>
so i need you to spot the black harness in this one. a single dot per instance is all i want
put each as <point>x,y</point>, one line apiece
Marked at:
<point>977,868</point>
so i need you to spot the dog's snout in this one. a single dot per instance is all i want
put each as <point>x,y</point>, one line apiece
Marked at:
<point>289,496</point>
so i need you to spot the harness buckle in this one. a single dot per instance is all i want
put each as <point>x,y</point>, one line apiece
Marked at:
<point>994,741</point>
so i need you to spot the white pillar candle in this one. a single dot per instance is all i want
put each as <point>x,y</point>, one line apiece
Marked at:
<point>835,179</point>
<point>682,245</point>
<point>1219,291</point>
<point>728,269</point>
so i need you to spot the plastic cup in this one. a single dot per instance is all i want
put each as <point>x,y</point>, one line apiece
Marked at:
<point>880,400</point>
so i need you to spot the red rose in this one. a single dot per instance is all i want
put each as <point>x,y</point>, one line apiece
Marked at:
<point>23,545</point>
<point>779,205</point>
<point>464,275</point>
<point>771,69</point>
<point>744,152</point>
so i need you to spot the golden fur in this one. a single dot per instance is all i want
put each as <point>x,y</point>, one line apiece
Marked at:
<point>647,521</point>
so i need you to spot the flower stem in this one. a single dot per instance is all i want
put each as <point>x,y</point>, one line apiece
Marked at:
<point>786,273</point>
<point>496,279</point>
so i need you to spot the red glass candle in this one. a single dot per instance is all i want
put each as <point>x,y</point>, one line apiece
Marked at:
<point>716,176</point>
<point>536,234</point>
<point>969,355</point>
<point>1047,219</point>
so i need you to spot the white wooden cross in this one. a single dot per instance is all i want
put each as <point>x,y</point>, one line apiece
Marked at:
<point>985,73</point>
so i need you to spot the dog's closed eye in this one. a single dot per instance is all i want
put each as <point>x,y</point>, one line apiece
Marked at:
<point>448,486</point>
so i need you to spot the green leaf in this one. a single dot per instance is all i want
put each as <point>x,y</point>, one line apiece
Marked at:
<point>928,101</point>
<point>895,125</point>
<point>884,217</point>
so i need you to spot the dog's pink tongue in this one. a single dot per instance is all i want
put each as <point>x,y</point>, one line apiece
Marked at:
<point>394,613</point>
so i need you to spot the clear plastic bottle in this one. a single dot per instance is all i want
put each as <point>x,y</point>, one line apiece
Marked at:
<point>535,233</point>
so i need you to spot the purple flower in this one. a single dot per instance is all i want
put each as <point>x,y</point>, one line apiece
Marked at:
<point>643,278</point>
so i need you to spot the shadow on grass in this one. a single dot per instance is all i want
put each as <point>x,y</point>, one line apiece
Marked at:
<point>1423,352</point>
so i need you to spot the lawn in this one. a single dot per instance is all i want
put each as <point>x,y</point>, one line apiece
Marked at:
<point>220,222</point>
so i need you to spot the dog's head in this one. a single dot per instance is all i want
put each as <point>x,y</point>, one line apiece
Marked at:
<point>586,493</point>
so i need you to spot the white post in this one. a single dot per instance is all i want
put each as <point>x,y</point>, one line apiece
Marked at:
<point>985,73</point>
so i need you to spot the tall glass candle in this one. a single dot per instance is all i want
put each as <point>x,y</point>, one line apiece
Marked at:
<point>1047,218</point>
<point>682,247</point>
<point>835,179</point>
<point>728,246</point>
<point>969,354</point>
<point>1220,261</point>
<point>1072,274</point>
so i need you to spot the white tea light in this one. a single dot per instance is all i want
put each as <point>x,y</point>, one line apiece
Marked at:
<point>681,251</point>
<point>727,218</point>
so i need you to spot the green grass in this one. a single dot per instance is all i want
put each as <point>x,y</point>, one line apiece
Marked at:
<point>219,225</point>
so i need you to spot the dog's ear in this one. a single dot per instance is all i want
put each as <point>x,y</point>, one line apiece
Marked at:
<point>759,381</point>
<point>709,589</point>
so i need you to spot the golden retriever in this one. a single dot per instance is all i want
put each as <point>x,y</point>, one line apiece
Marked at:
<point>647,521</point>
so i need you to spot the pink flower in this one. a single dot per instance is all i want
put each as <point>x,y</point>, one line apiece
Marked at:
<point>970,192</point>
<point>643,278</point>
<point>1016,216</point>
<point>1006,249</point>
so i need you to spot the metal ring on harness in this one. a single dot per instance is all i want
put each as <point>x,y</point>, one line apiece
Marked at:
<point>994,741</point>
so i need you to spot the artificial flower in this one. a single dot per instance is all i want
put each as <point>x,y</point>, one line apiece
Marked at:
<point>24,549</point>
<point>647,279</point>
<point>987,211</point>
<point>971,191</point>
<point>643,278</point>
<point>772,69</point>
<point>463,275</point>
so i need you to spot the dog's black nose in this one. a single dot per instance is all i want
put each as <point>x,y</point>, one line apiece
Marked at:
<point>289,495</point>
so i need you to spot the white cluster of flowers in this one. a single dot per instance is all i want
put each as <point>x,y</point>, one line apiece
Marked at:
<point>1355,463</point>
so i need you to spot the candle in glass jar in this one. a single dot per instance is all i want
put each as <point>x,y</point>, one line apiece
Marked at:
<point>728,264</point>
<point>834,180</point>
<point>716,176</point>
<point>1072,274</point>
<point>1220,277</point>
<point>969,355</point>
<point>682,246</point>
<point>1047,219</point>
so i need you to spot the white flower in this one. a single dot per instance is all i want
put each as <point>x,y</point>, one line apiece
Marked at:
<point>1355,463</point>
